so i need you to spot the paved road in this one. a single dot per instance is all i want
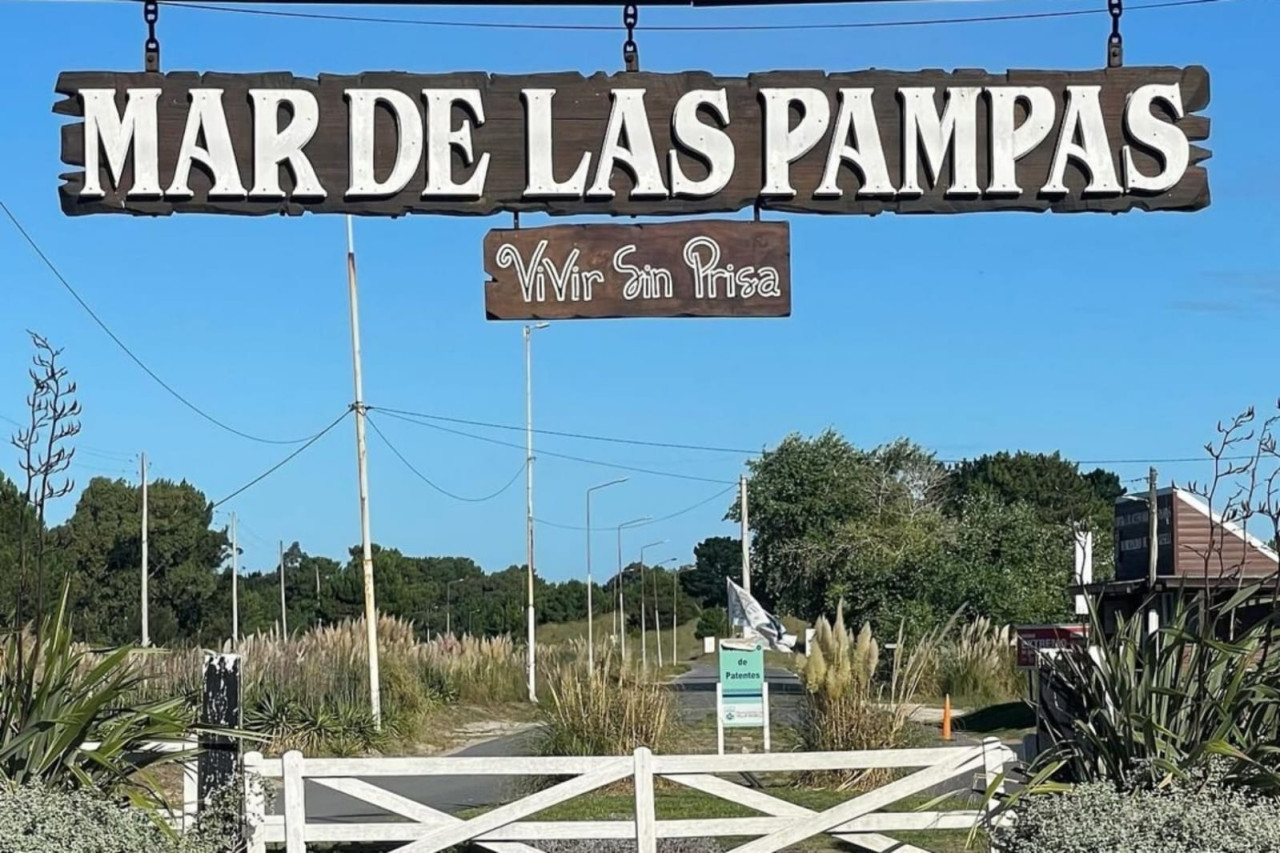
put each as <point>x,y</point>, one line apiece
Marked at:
<point>447,793</point>
<point>696,692</point>
<point>696,697</point>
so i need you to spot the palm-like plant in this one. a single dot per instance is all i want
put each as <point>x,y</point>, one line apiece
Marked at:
<point>1147,709</point>
<point>56,697</point>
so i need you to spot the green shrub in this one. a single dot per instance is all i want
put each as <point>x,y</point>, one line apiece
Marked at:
<point>42,819</point>
<point>713,622</point>
<point>1096,818</point>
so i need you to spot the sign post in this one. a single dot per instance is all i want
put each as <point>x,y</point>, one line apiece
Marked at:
<point>742,694</point>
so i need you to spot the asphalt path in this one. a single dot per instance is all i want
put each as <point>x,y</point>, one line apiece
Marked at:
<point>695,695</point>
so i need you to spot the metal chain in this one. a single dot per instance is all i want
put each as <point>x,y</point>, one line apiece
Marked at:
<point>630,53</point>
<point>151,49</point>
<point>1115,44</point>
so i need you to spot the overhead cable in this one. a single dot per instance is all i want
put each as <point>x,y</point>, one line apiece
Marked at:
<point>35,247</point>
<point>276,467</point>
<point>424,478</point>
<point>675,514</point>
<point>584,460</point>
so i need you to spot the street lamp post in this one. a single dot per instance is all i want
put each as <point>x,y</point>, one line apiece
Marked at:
<point>622,613</point>
<point>657,617</point>
<point>591,637</point>
<point>675,595</point>
<point>448,605</point>
<point>644,637</point>
<point>528,490</point>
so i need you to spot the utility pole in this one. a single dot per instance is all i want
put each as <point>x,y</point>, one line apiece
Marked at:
<point>146,626</point>
<point>746,535</point>
<point>370,606</point>
<point>591,637</point>
<point>284,611</point>
<point>235,587</point>
<point>1153,550</point>
<point>528,494</point>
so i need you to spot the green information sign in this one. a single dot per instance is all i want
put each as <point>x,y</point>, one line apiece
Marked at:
<point>742,671</point>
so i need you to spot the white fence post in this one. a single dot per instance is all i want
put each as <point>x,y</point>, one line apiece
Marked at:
<point>646,817</point>
<point>190,790</point>
<point>255,804</point>
<point>993,759</point>
<point>295,804</point>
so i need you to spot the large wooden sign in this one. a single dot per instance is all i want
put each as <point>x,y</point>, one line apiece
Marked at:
<point>680,269</point>
<point>635,143</point>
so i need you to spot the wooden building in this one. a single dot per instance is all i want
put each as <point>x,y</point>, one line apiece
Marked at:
<point>1197,550</point>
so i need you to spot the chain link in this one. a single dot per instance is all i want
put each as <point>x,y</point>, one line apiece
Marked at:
<point>630,52</point>
<point>1115,44</point>
<point>151,48</point>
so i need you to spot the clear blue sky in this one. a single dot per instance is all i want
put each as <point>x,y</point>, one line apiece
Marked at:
<point>1103,337</point>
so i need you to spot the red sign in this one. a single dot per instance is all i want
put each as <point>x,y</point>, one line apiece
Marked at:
<point>1035,638</point>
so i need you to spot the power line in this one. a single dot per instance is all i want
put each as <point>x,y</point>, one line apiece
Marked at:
<point>424,478</point>
<point>584,460</point>
<point>577,435</point>
<point>682,28</point>
<point>35,247</point>
<point>675,514</point>
<point>284,461</point>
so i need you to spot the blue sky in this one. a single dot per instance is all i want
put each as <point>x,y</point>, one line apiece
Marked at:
<point>1105,337</point>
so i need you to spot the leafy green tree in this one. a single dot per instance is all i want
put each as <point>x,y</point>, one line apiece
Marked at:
<point>714,622</point>
<point>1052,486</point>
<point>715,559</point>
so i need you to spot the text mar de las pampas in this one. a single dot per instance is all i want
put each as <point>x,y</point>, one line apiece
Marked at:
<point>844,145</point>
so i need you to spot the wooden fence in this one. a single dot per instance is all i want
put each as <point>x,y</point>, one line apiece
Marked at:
<point>860,820</point>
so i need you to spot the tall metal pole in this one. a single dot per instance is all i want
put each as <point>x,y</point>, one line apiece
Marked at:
<point>1153,549</point>
<point>622,613</point>
<point>746,535</point>
<point>528,492</point>
<point>591,637</point>
<point>146,622</point>
<point>284,610</point>
<point>235,586</point>
<point>366,557</point>
<point>657,613</point>
<point>644,636</point>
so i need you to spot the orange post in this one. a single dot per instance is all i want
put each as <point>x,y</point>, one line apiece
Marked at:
<point>946,717</point>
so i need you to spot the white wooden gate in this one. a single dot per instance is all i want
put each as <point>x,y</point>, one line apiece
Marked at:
<point>506,829</point>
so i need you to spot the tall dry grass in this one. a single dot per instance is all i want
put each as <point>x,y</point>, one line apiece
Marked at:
<point>311,690</point>
<point>850,704</point>
<point>606,711</point>
<point>979,666</point>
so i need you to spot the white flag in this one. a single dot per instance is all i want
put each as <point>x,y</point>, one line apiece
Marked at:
<point>745,611</point>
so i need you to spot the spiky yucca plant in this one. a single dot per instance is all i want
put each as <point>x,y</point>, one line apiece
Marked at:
<point>53,701</point>
<point>1143,709</point>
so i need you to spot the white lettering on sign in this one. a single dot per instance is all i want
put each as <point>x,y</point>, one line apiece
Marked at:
<point>939,130</point>
<point>544,279</point>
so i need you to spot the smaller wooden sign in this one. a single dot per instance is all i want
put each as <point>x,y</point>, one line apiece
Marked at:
<point>704,268</point>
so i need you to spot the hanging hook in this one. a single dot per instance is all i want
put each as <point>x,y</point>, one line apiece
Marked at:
<point>630,52</point>
<point>1115,44</point>
<point>151,48</point>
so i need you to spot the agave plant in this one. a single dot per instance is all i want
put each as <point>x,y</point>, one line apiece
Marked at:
<point>1145,709</point>
<point>56,698</point>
